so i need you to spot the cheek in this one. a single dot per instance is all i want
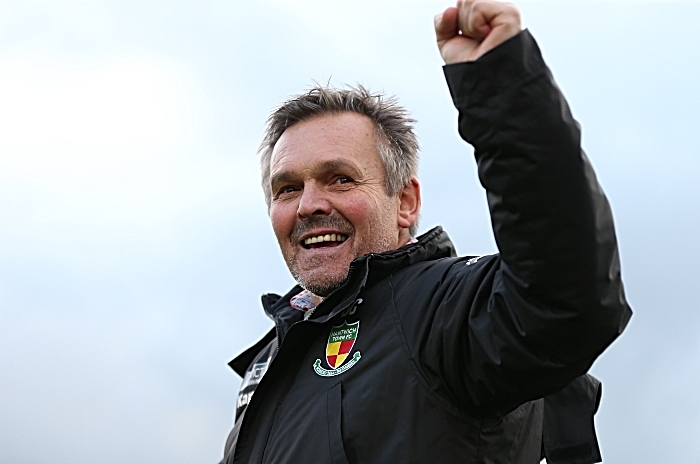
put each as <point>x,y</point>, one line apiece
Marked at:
<point>366,210</point>
<point>356,210</point>
<point>282,220</point>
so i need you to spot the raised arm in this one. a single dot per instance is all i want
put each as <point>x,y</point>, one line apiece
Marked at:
<point>553,300</point>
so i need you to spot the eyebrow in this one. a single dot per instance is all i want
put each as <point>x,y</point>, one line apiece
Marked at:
<point>282,177</point>
<point>335,164</point>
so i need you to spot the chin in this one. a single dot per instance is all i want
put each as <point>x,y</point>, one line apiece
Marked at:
<point>319,285</point>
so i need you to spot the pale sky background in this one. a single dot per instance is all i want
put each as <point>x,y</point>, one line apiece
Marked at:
<point>134,239</point>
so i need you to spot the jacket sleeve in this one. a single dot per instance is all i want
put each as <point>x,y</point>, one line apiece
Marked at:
<point>553,300</point>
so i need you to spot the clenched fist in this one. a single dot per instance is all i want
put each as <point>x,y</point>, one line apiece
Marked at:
<point>473,27</point>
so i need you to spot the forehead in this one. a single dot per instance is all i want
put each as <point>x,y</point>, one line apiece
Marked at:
<point>310,144</point>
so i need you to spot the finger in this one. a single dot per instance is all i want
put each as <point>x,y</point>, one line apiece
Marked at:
<point>478,18</point>
<point>446,24</point>
<point>472,22</point>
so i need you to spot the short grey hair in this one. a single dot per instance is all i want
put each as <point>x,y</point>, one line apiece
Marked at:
<point>396,142</point>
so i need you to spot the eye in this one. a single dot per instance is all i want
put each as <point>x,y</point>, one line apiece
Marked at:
<point>285,190</point>
<point>343,180</point>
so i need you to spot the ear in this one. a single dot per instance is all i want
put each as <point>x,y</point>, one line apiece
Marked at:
<point>409,204</point>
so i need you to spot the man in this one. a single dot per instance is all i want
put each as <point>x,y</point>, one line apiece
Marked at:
<point>391,349</point>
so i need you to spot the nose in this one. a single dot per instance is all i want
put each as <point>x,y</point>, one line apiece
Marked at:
<point>313,201</point>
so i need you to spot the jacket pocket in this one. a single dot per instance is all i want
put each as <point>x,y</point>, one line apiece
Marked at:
<point>334,403</point>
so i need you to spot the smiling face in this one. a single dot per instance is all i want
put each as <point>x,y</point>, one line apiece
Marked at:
<point>329,202</point>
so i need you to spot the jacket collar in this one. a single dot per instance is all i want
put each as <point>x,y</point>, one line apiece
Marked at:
<point>364,271</point>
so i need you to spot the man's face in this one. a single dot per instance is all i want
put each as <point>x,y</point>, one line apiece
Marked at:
<point>329,204</point>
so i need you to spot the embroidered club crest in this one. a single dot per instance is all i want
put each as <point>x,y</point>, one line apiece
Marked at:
<point>340,342</point>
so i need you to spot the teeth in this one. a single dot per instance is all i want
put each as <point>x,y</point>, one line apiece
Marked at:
<point>325,238</point>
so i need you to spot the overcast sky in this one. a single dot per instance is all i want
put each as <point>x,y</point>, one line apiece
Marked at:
<point>134,239</point>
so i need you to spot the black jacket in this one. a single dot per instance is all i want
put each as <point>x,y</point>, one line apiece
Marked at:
<point>447,358</point>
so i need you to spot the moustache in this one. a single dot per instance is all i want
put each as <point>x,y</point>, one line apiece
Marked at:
<point>321,222</point>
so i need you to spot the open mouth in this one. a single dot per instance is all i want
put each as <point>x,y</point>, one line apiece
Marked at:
<point>324,241</point>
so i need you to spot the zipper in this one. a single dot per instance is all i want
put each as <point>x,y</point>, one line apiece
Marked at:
<point>309,313</point>
<point>278,331</point>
